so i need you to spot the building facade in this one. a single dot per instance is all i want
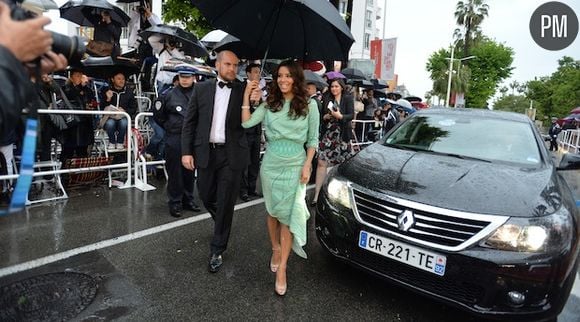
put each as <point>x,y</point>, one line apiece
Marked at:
<point>365,20</point>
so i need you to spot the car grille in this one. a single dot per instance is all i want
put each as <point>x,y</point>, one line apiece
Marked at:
<point>435,227</point>
<point>450,288</point>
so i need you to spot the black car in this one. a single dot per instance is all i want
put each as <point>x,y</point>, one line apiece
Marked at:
<point>465,206</point>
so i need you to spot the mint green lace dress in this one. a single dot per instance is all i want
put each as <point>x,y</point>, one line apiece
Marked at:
<point>282,164</point>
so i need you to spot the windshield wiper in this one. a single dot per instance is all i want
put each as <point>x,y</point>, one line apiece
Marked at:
<point>459,156</point>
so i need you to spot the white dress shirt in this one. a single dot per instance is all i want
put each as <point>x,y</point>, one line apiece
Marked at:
<point>156,43</point>
<point>135,26</point>
<point>217,133</point>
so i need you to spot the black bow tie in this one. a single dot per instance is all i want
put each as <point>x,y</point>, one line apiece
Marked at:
<point>222,84</point>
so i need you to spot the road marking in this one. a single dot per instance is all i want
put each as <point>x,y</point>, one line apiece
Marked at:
<point>113,241</point>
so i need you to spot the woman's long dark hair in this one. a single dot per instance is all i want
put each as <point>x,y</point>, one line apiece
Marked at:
<point>299,104</point>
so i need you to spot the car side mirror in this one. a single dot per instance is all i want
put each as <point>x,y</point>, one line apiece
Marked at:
<point>569,161</point>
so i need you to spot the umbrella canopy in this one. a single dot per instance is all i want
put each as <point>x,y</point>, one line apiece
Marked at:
<point>106,67</point>
<point>240,48</point>
<point>213,37</point>
<point>379,84</point>
<point>203,70</point>
<point>189,43</point>
<point>363,83</point>
<point>413,99</point>
<point>42,5</point>
<point>333,75</point>
<point>313,78</point>
<point>353,73</point>
<point>305,29</point>
<point>86,12</point>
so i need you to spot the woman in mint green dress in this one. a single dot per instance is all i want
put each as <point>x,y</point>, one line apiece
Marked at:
<point>291,121</point>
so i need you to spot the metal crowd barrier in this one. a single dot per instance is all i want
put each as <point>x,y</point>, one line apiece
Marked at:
<point>570,140</point>
<point>126,165</point>
<point>358,143</point>
<point>141,163</point>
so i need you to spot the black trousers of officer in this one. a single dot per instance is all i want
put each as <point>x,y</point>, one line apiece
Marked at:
<point>180,180</point>
<point>218,185</point>
<point>250,174</point>
<point>553,144</point>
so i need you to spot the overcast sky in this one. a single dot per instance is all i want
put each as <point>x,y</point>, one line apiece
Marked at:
<point>422,27</point>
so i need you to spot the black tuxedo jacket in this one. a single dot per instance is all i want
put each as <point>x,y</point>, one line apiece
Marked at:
<point>197,126</point>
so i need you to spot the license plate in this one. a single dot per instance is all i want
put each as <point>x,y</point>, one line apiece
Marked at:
<point>401,252</point>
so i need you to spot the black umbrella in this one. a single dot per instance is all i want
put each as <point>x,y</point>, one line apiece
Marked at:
<point>240,48</point>
<point>353,73</point>
<point>188,42</point>
<point>313,78</point>
<point>86,12</point>
<point>106,67</point>
<point>305,29</point>
<point>379,84</point>
<point>363,83</point>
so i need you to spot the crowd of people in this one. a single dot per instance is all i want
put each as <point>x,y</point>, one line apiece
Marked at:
<point>209,131</point>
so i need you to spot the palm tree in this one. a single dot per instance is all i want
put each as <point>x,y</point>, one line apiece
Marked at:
<point>503,90</point>
<point>513,85</point>
<point>470,15</point>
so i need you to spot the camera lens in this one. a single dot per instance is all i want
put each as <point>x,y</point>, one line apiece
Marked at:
<point>73,48</point>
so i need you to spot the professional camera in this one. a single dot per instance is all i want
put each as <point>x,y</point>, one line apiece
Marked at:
<point>141,10</point>
<point>73,48</point>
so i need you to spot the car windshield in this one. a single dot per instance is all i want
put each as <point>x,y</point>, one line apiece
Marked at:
<point>469,136</point>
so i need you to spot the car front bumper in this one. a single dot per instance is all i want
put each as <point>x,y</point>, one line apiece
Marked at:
<point>477,279</point>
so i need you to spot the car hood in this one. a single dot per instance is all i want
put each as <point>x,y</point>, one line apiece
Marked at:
<point>453,183</point>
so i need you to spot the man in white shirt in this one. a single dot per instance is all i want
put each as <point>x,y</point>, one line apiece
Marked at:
<point>166,48</point>
<point>214,142</point>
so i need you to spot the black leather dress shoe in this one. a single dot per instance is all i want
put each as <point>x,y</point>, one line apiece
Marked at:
<point>245,197</point>
<point>191,206</point>
<point>215,262</point>
<point>175,211</point>
<point>255,194</point>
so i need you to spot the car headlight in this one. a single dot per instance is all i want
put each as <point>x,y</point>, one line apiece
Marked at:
<point>338,191</point>
<point>542,234</point>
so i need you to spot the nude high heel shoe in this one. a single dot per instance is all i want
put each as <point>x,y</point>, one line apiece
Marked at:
<point>280,289</point>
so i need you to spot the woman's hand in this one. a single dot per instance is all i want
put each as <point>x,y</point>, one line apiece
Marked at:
<point>250,87</point>
<point>306,171</point>
<point>336,114</point>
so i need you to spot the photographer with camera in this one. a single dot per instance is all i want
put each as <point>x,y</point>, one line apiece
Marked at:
<point>141,19</point>
<point>20,43</point>
<point>167,48</point>
<point>25,49</point>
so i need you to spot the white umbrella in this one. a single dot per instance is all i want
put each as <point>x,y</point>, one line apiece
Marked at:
<point>213,37</point>
<point>39,5</point>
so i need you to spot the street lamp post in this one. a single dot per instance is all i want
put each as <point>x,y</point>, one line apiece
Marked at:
<point>448,96</point>
<point>449,77</point>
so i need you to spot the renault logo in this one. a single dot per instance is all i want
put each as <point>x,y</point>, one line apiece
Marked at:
<point>406,220</point>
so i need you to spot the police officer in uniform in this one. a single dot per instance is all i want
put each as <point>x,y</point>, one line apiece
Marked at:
<point>169,113</point>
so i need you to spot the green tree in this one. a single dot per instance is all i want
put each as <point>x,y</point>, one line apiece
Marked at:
<point>469,15</point>
<point>557,94</point>
<point>491,66</point>
<point>182,11</point>
<point>512,103</point>
<point>482,75</point>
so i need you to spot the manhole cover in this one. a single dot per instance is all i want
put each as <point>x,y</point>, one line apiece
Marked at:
<point>50,297</point>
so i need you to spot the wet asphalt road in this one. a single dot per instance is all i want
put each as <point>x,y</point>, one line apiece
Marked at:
<point>163,276</point>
